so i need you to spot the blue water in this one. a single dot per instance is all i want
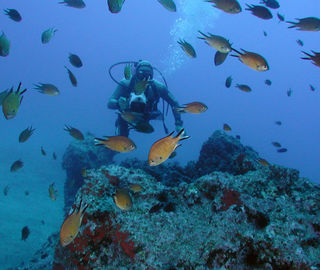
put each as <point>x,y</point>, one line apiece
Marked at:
<point>145,30</point>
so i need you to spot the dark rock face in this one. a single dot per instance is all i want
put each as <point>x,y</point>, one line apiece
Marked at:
<point>82,155</point>
<point>226,154</point>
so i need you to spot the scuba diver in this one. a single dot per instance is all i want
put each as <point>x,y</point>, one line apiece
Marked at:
<point>137,96</point>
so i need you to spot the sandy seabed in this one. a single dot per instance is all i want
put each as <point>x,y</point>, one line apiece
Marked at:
<point>38,211</point>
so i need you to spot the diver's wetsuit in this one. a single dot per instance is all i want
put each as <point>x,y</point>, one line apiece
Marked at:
<point>153,93</point>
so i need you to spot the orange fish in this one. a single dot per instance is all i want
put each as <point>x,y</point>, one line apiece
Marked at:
<point>252,60</point>
<point>162,149</point>
<point>263,162</point>
<point>226,127</point>
<point>193,107</point>
<point>122,199</point>
<point>70,227</point>
<point>244,87</point>
<point>116,143</point>
<point>135,188</point>
<point>75,133</point>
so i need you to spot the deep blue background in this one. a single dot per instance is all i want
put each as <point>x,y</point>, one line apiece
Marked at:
<point>142,31</point>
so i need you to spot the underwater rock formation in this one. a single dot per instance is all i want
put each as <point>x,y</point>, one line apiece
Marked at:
<point>264,219</point>
<point>169,173</point>
<point>82,155</point>
<point>220,152</point>
<point>225,153</point>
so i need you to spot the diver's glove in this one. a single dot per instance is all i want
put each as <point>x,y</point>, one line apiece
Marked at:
<point>178,129</point>
<point>123,103</point>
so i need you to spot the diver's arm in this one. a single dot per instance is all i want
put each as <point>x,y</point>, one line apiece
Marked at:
<point>113,102</point>
<point>168,97</point>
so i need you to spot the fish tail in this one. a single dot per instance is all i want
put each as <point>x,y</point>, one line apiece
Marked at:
<point>37,86</point>
<point>233,49</point>
<point>249,7</point>
<point>180,135</point>
<point>67,128</point>
<point>18,87</point>
<point>99,141</point>
<point>293,24</point>
<point>306,54</point>
<point>23,91</point>
<point>204,35</point>
<point>180,109</point>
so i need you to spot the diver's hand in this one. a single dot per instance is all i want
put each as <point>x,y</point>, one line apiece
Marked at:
<point>123,103</point>
<point>178,129</point>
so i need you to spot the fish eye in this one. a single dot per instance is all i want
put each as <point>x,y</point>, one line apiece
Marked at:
<point>160,158</point>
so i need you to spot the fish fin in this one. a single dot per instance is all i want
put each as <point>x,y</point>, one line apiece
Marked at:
<point>306,53</point>
<point>236,51</point>
<point>184,138</point>
<point>21,99</point>
<point>67,128</point>
<point>294,24</point>
<point>23,91</point>
<point>180,132</point>
<point>177,145</point>
<point>171,133</point>
<point>233,55</point>
<point>180,109</point>
<point>204,35</point>
<point>180,135</point>
<point>18,87</point>
<point>100,141</point>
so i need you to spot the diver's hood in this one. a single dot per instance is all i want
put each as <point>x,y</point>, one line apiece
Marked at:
<point>144,70</point>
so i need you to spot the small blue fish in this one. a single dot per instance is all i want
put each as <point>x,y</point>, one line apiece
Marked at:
<point>115,6</point>
<point>169,5</point>
<point>4,45</point>
<point>73,3</point>
<point>228,82</point>
<point>13,14</point>
<point>47,35</point>
<point>271,3</point>
<point>300,42</point>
